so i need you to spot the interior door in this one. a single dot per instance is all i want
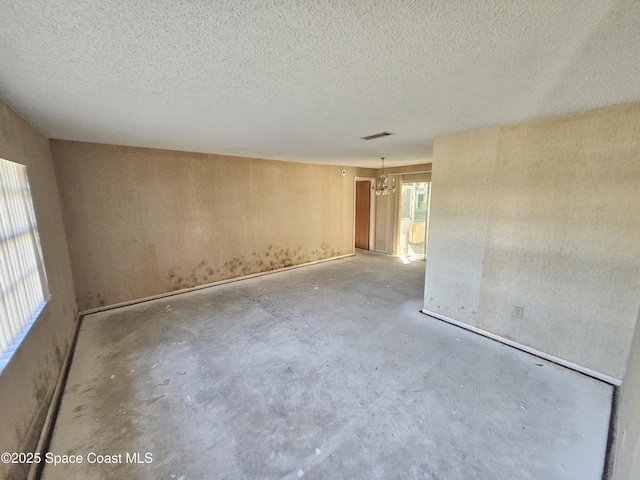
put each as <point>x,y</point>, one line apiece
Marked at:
<point>363,198</point>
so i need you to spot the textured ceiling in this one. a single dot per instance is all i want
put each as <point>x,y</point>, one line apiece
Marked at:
<point>304,80</point>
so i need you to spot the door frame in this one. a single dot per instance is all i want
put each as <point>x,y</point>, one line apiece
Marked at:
<point>416,179</point>
<point>396,224</point>
<point>372,212</point>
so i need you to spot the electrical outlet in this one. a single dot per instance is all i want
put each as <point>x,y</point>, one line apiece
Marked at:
<point>518,312</point>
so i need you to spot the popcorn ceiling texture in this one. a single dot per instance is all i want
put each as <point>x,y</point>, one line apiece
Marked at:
<point>304,81</point>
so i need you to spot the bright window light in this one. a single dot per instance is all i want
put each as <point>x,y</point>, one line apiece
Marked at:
<point>23,283</point>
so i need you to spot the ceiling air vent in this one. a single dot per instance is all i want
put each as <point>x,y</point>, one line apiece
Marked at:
<point>376,135</point>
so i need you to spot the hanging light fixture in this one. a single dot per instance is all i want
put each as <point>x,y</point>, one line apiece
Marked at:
<point>382,183</point>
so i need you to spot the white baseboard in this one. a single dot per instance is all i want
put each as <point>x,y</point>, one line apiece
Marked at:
<point>565,363</point>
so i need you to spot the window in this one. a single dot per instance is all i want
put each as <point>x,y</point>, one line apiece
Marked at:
<point>23,284</point>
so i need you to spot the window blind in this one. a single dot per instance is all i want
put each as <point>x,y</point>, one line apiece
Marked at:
<point>22,277</point>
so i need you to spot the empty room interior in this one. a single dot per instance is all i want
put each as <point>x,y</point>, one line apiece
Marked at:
<point>325,240</point>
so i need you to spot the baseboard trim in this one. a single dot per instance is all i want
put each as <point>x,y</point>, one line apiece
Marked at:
<point>208,285</point>
<point>54,406</point>
<point>565,363</point>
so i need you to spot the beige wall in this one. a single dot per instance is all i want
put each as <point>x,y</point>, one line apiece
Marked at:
<point>627,446</point>
<point>408,169</point>
<point>28,381</point>
<point>542,215</point>
<point>133,215</point>
<point>416,177</point>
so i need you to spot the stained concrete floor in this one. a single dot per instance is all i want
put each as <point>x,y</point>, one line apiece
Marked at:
<point>327,371</point>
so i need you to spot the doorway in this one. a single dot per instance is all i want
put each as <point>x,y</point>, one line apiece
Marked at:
<point>363,214</point>
<point>413,219</point>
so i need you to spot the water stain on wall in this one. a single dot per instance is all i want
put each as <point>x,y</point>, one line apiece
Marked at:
<point>211,270</point>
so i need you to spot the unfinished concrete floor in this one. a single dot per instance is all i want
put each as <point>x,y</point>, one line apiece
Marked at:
<point>328,372</point>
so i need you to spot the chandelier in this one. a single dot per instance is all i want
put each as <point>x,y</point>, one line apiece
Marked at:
<point>382,183</point>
